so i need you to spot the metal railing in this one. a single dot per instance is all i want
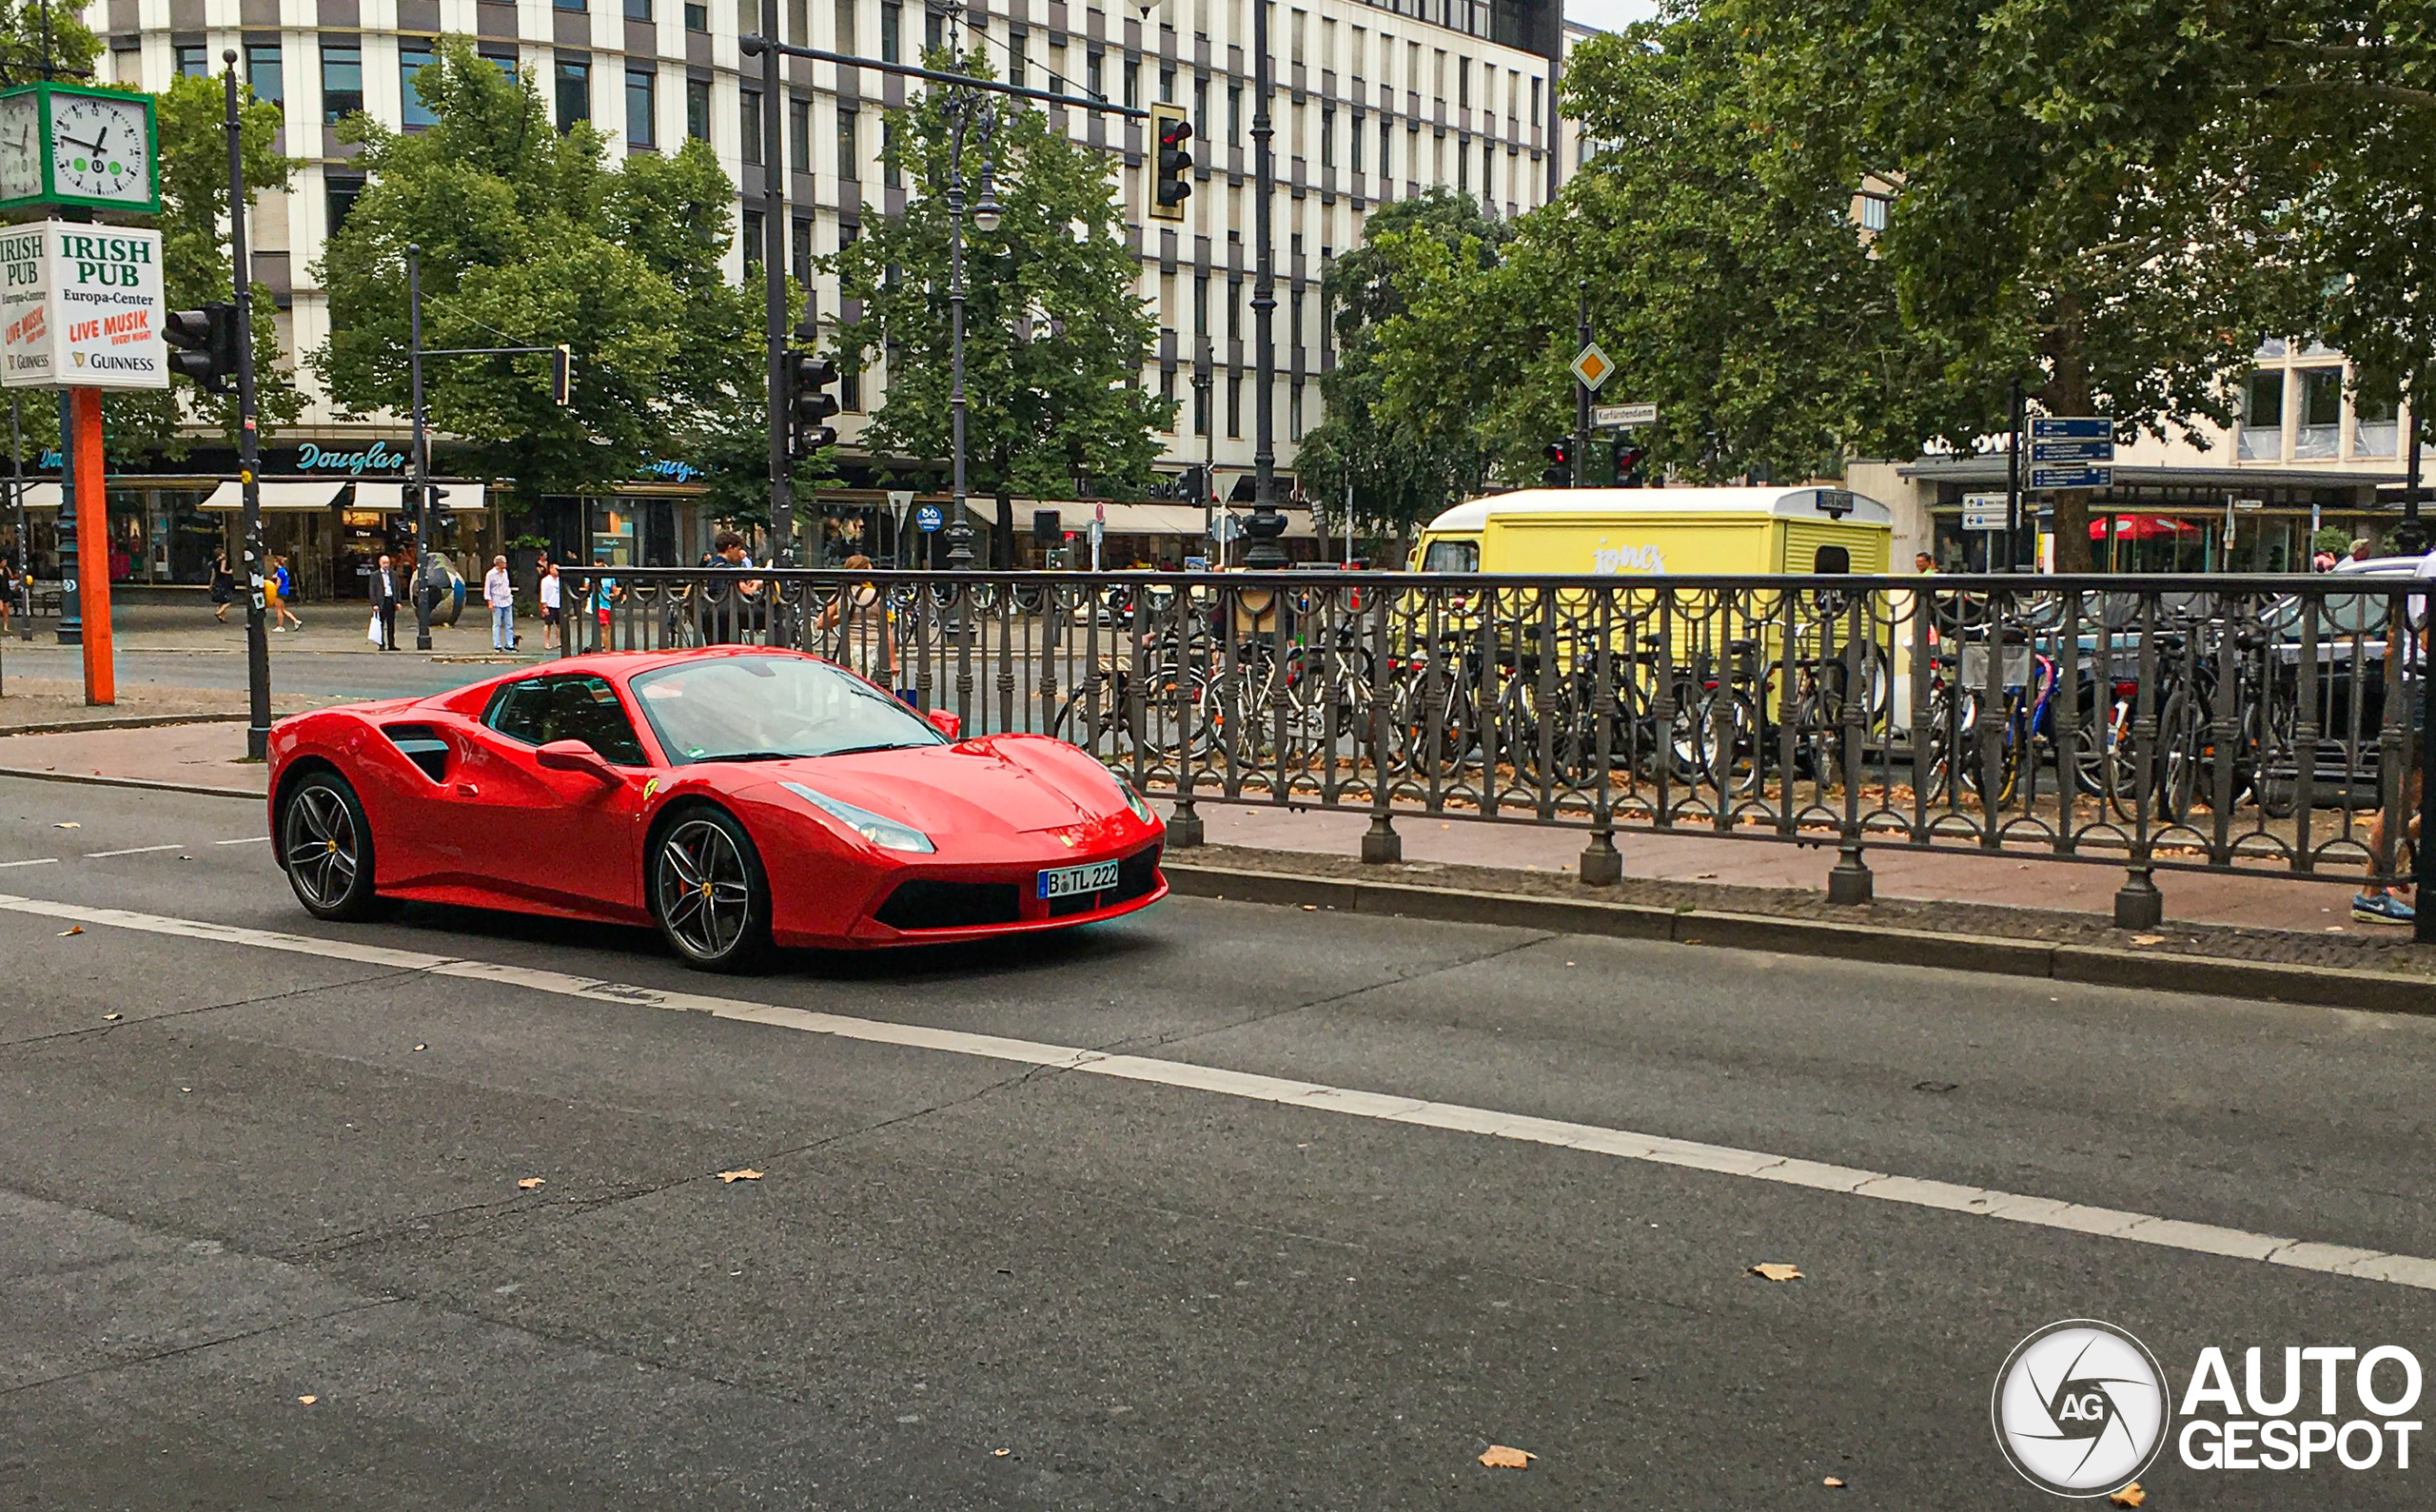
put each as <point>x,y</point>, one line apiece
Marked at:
<point>2254,724</point>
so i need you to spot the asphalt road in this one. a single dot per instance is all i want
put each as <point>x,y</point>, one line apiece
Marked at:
<point>319,674</point>
<point>286,1174</point>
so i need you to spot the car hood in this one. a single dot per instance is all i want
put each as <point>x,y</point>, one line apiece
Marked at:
<point>999,785</point>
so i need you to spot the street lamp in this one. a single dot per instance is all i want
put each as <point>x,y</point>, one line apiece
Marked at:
<point>976,112</point>
<point>1265,526</point>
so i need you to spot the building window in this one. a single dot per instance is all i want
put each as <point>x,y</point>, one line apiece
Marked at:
<point>1234,406</point>
<point>414,55</point>
<point>1201,304</point>
<point>575,89</point>
<point>1166,85</point>
<point>1234,310</point>
<point>568,5</point>
<point>506,57</point>
<point>1295,320</point>
<point>639,84</point>
<point>799,135</point>
<point>697,16</point>
<point>755,228</point>
<point>1201,109</point>
<point>1353,142</point>
<point>1201,409</point>
<point>1488,169</point>
<point>2320,432</point>
<point>847,141</point>
<point>263,73</point>
<point>892,23</point>
<point>342,191</point>
<point>892,171</point>
<point>1132,85</point>
<point>1876,209</point>
<point>1234,115</point>
<point>342,81</point>
<point>1386,147</point>
<point>799,251</point>
<point>1094,76</point>
<point>194,59</point>
<point>697,110</point>
<point>934,31</point>
<point>2263,416</point>
<point>1462,83</point>
<point>1535,100</point>
<point>749,122</point>
<point>1294,413</point>
<point>1327,136</point>
<point>2375,430</point>
<point>1019,46</point>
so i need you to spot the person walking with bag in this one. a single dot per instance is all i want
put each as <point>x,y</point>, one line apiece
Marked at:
<point>499,592</point>
<point>223,587</point>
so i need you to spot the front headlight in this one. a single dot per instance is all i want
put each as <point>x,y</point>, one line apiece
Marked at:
<point>886,834</point>
<point>1133,800</point>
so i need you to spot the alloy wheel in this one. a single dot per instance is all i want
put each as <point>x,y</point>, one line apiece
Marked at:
<point>322,846</point>
<point>704,891</point>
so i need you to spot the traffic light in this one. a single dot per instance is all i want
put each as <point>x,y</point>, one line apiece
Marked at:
<point>1629,455</point>
<point>1170,163</point>
<point>1560,473</point>
<point>441,518</point>
<point>205,344</point>
<point>561,376</point>
<point>809,403</point>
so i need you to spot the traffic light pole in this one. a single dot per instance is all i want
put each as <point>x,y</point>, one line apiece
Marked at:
<point>774,282</point>
<point>249,430</point>
<point>1582,392</point>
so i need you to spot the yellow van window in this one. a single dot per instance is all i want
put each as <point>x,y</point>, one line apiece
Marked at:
<point>1832,562</point>
<point>1452,555</point>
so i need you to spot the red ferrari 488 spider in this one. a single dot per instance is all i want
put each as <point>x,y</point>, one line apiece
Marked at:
<point>738,799</point>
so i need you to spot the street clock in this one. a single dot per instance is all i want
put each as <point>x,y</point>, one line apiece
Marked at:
<point>68,144</point>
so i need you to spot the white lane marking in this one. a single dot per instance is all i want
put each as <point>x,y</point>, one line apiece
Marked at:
<point>40,860</point>
<point>133,850</point>
<point>1657,1149</point>
<point>250,839</point>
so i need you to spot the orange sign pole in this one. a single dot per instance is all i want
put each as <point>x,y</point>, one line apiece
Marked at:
<point>92,542</point>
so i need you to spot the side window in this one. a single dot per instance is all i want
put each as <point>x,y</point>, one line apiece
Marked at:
<point>520,710</point>
<point>1832,562</point>
<point>586,708</point>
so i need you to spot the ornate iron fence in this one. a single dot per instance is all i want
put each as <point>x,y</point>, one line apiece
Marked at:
<point>2253,725</point>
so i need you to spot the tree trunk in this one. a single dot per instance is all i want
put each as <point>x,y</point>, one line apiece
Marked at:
<point>1005,545</point>
<point>2068,393</point>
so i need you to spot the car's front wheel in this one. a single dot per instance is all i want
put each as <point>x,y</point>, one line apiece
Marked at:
<point>326,848</point>
<point>710,894</point>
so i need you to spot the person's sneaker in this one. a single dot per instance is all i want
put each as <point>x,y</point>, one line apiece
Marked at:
<point>2382,909</point>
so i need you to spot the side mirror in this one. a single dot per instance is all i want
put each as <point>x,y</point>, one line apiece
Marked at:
<point>573,756</point>
<point>946,723</point>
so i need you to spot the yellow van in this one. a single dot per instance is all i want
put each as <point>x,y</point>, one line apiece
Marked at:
<point>1660,532</point>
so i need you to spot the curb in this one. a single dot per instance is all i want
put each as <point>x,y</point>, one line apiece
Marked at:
<point>2094,964</point>
<point>92,779</point>
<point>133,721</point>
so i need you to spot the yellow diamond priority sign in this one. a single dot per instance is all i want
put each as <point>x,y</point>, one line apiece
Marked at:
<point>1593,367</point>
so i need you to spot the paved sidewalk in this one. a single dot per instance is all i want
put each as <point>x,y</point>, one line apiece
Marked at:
<point>328,627</point>
<point>212,755</point>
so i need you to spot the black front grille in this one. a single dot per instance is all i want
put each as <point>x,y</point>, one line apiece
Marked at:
<point>1135,877</point>
<point>926,904</point>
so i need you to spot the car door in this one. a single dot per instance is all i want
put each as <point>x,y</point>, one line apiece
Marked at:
<point>561,839</point>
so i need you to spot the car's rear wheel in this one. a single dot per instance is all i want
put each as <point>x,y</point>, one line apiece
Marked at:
<point>326,848</point>
<point>710,894</point>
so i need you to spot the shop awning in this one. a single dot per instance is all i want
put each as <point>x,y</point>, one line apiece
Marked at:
<point>42,495</point>
<point>389,498</point>
<point>2142,527</point>
<point>1147,519</point>
<point>288,495</point>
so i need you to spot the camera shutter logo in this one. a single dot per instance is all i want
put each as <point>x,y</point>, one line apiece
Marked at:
<point>2080,1408</point>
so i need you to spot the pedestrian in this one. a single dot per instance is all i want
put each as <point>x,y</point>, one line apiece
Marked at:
<point>860,618</point>
<point>553,603</point>
<point>499,592</point>
<point>2375,904</point>
<point>1923,563</point>
<point>277,587</point>
<point>2357,551</point>
<point>384,604</point>
<point>726,616</point>
<point>223,587</point>
<point>605,592</point>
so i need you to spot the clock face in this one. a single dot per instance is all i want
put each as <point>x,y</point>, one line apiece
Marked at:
<point>99,149</point>
<point>20,152</point>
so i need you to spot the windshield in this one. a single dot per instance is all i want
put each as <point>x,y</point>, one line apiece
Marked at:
<point>770,708</point>
<point>1452,555</point>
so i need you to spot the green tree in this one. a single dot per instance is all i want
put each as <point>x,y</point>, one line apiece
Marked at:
<point>1724,275</point>
<point>1398,476</point>
<point>2094,199</point>
<point>1055,338</point>
<point>39,41</point>
<point>528,237</point>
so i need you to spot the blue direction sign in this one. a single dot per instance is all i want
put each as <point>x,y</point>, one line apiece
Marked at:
<point>2071,427</point>
<point>928,517</point>
<point>2070,477</point>
<point>2071,451</point>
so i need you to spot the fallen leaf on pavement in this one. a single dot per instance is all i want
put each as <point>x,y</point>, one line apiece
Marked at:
<point>1832,1481</point>
<point>1775,1271</point>
<point>76,930</point>
<point>423,1046</point>
<point>112,1018</point>
<point>67,824</point>
<point>1000,1454</point>
<point>307,1401</point>
<point>529,1183</point>
<point>741,1173</point>
<point>1502,1457</point>
<point>2148,939</point>
<point>2129,1496</point>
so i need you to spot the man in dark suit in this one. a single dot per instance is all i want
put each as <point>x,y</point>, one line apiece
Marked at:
<point>384,602</point>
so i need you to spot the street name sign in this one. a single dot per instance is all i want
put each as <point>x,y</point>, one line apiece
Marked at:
<point>2071,427</point>
<point>1593,366</point>
<point>2070,477</point>
<point>2071,451</point>
<point>1623,416</point>
<point>80,306</point>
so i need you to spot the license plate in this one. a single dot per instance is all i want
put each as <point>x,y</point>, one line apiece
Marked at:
<point>1069,880</point>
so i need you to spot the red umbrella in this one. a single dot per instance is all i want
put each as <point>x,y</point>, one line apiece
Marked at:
<point>2141,527</point>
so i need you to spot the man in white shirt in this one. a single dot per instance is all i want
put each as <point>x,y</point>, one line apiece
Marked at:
<point>500,594</point>
<point>551,603</point>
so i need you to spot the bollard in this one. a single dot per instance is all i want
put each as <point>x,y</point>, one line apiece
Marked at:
<point>1603,864</point>
<point>1852,881</point>
<point>1184,825</point>
<point>1381,845</point>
